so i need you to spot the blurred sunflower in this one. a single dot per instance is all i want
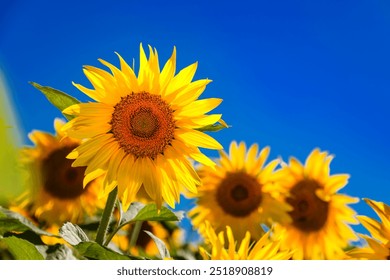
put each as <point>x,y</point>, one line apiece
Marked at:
<point>239,193</point>
<point>263,249</point>
<point>320,216</point>
<point>145,246</point>
<point>56,193</point>
<point>379,243</point>
<point>142,130</point>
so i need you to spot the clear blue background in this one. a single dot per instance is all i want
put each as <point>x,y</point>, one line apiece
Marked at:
<point>294,75</point>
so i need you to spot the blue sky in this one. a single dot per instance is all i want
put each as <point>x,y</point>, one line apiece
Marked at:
<point>294,75</point>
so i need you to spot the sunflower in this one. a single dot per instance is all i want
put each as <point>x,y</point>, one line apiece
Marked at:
<point>142,131</point>
<point>379,242</point>
<point>262,249</point>
<point>239,192</point>
<point>145,244</point>
<point>56,192</point>
<point>320,216</point>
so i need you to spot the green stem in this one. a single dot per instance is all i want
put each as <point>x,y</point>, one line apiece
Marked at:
<point>112,235</point>
<point>118,225</point>
<point>107,213</point>
<point>135,233</point>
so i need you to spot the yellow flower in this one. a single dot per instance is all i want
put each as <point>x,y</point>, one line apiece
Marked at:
<point>320,215</point>
<point>56,192</point>
<point>142,130</point>
<point>263,249</point>
<point>379,243</point>
<point>240,193</point>
<point>145,243</point>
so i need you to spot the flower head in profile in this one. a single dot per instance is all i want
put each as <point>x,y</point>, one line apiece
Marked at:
<point>239,192</point>
<point>142,130</point>
<point>320,215</point>
<point>379,243</point>
<point>263,249</point>
<point>55,191</point>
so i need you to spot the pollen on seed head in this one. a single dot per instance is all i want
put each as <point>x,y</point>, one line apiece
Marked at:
<point>309,213</point>
<point>60,179</point>
<point>239,194</point>
<point>143,124</point>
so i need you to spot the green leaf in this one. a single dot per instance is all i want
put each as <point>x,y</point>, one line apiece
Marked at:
<point>92,250</point>
<point>28,235</point>
<point>140,212</point>
<point>130,214</point>
<point>73,234</point>
<point>214,127</point>
<point>137,212</point>
<point>59,99</point>
<point>21,249</point>
<point>150,213</point>
<point>14,222</point>
<point>162,248</point>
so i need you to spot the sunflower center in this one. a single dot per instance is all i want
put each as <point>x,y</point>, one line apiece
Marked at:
<point>239,194</point>
<point>143,124</point>
<point>309,212</point>
<point>62,180</point>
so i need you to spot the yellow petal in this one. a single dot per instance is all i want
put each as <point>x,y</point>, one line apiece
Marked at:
<point>129,75</point>
<point>198,122</point>
<point>197,138</point>
<point>94,94</point>
<point>198,107</point>
<point>315,163</point>
<point>186,94</point>
<point>382,210</point>
<point>203,159</point>
<point>90,110</point>
<point>296,168</point>
<point>336,182</point>
<point>119,77</point>
<point>99,78</point>
<point>92,145</point>
<point>183,78</point>
<point>168,71</point>
<point>150,182</point>
<point>101,158</point>
<point>92,176</point>
<point>42,139</point>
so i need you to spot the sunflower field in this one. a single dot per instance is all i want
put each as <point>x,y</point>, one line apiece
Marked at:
<point>106,184</point>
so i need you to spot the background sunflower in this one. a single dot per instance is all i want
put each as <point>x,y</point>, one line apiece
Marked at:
<point>55,192</point>
<point>239,192</point>
<point>224,246</point>
<point>378,245</point>
<point>320,215</point>
<point>171,235</point>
